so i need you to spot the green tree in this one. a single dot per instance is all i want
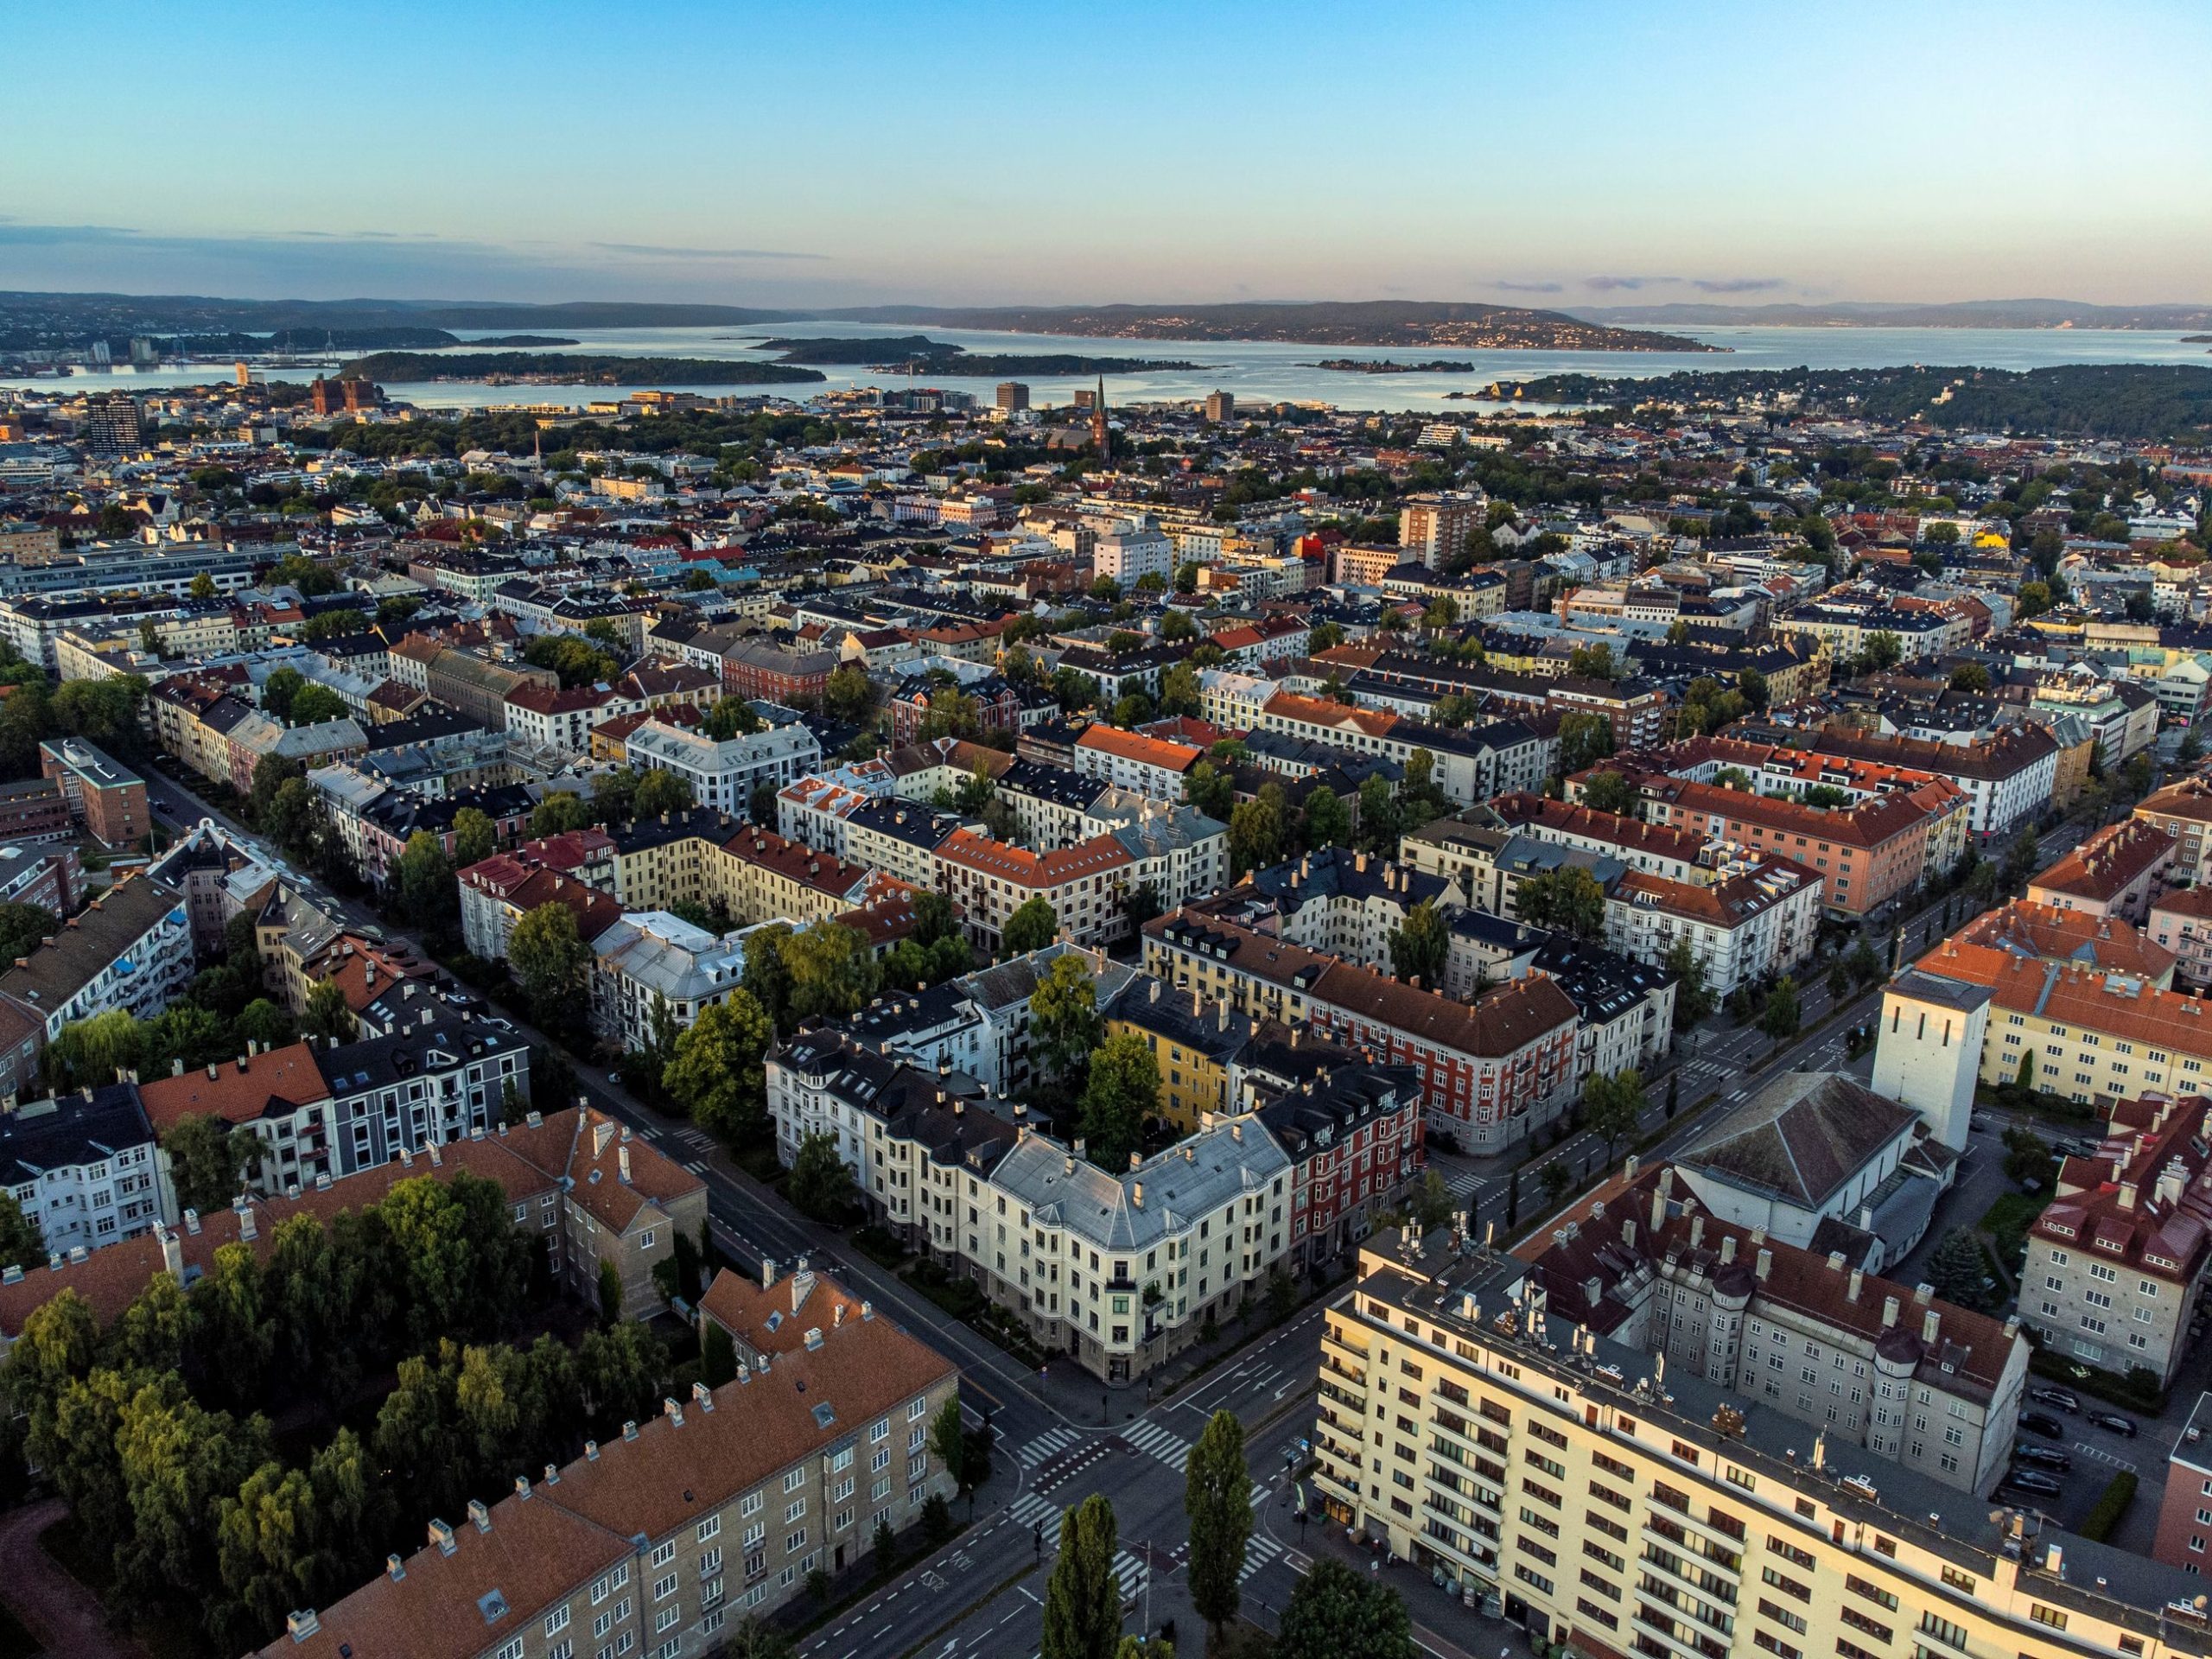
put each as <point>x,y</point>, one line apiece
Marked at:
<point>1419,948</point>
<point>207,1161</point>
<point>473,837</point>
<point>660,791</point>
<point>1569,899</point>
<point>327,1015</point>
<point>947,1441</point>
<point>1328,820</point>
<point>1958,1268</point>
<point>848,696</point>
<point>821,1183</point>
<point>1063,1021</point>
<point>610,1295</point>
<point>883,1548</point>
<point>1122,1091</point>
<point>833,972</point>
<point>1335,1613</point>
<point>551,962</point>
<point>1583,739</point>
<point>424,879</point>
<point>1256,830</point>
<point>314,703</point>
<point>1754,686</point>
<point>278,690</point>
<point>718,1355</point>
<point>1613,1107</point>
<point>1781,1019</point>
<point>1969,676</point>
<point>718,1074</point>
<point>261,1022</point>
<point>22,1244</point>
<point>1609,791</point>
<point>558,813</point>
<point>1083,1599</point>
<point>1179,691</point>
<point>1218,1498</point>
<point>1693,1003</point>
<point>1033,925</point>
<point>1211,790</point>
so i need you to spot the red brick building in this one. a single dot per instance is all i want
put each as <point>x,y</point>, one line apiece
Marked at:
<point>998,706</point>
<point>757,669</point>
<point>105,795</point>
<point>1353,1135</point>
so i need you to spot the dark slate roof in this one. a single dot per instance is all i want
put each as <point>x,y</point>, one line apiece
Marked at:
<point>79,1129</point>
<point>1801,1137</point>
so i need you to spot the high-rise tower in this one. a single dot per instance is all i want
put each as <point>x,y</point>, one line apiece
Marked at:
<point>1101,438</point>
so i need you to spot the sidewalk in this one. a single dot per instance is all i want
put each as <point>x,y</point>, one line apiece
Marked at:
<point>1442,1624</point>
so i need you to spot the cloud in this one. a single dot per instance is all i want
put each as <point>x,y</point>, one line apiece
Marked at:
<point>1606,284</point>
<point>1529,288</point>
<point>1735,284</point>
<point>650,250</point>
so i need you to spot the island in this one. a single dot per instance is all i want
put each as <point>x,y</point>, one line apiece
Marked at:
<point>524,340</point>
<point>2157,402</point>
<point>1465,325</point>
<point>1385,365</point>
<point>898,353</point>
<point>580,369</point>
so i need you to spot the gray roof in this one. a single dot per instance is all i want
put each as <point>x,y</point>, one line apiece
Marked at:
<point>89,943</point>
<point>1945,993</point>
<point>1801,1137</point>
<point>1190,1178</point>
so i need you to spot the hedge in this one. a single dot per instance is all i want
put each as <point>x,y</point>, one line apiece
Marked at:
<point>2111,1505</point>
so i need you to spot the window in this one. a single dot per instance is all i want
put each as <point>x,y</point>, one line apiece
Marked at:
<point>665,1587</point>
<point>709,1527</point>
<point>557,1620</point>
<point>663,1553</point>
<point>795,1542</point>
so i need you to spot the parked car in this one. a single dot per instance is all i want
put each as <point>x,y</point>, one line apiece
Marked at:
<point>2114,1421</point>
<point>2036,1422</point>
<point>2064,1399</point>
<point>1978,1121</point>
<point>2043,1457</point>
<point>2030,1480</point>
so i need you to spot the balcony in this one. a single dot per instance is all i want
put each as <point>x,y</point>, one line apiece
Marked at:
<point>1686,1606</point>
<point>1664,1532</point>
<point>1681,1575</point>
<point>1327,1481</point>
<point>1658,1625</point>
<point>1696,1530</point>
<point>1439,1537</point>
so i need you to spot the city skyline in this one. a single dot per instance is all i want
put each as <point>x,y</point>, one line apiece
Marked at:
<point>982,156</point>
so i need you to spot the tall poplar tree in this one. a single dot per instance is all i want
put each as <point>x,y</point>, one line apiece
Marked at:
<point>1218,1498</point>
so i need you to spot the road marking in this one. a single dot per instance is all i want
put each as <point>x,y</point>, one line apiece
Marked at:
<point>1036,1450</point>
<point>1168,1446</point>
<point>1129,1572</point>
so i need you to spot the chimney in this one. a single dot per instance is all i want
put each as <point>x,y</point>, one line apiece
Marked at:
<point>552,1474</point>
<point>1156,991</point>
<point>522,1487</point>
<point>767,1271</point>
<point>1136,1192</point>
<point>1697,1232</point>
<point>442,1535</point>
<point>673,1412</point>
<point>1857,1279</point>
<point>1888,1311</point>
<point>622,1161</point>
<point>479,1515</point>
<point>249,1230</point>
<point>703,1397</point>
<point>1136,1161</point>
<point>1930,1322</point>
<point>395,1569</point>
<point>301,1625</point>
<point>1628,1233</point>
<point>172,1253</point>
<point>630,1429</point>
<point>1765,1265</point>
<point>1727,1248</point>
<point>1835,1261</point>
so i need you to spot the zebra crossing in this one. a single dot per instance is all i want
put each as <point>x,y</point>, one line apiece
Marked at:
<point>698,1140</point>
<point>1128,1572</point>
<point>1030,1508</point>
<point>1033,1452</point>
<point>1259,1550</point>
<point>1168,1446</point>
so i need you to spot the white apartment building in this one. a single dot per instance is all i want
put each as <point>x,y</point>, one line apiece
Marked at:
<point>1131,551</point>
<point>723,775</point>
<point>1758,921</point>
<point>82,1167</point>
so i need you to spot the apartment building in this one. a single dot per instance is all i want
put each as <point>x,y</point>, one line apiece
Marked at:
<point>129,948</point>
<point>2184,810</point>
<point>814,809</point>
<point>901,838</point>
<point>1757,920</point>
<point>104,795</point>
<point>1865,854</point>
<point>652,968</point>
<point>1861,1359</point>
<point>1196,1044</point>
<point>761,875</point>
<point>1152,766</point>
<point>1491,1073</point>
<point>2116,1260</point>
<point>82,1167</point>
<point>2180,924</point>
<point>721,1506</point>
<point>1617,1504</point>
<point>1654,848</point>
<point>1432,529</point>
<point>1339,902</point>
<point>1353,1134</point>
<point>498,892</point>
<point>2025,929</point>
<point>659,862</point>
<point>988,881</point>
<point>2117,871</point>
<point>723,774</point>
<point>2008,777</point>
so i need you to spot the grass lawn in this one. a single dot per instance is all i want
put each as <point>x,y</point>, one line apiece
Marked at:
<point>2015,1212</point>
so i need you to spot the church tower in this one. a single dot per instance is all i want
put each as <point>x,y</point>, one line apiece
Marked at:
<point>1101,438</point>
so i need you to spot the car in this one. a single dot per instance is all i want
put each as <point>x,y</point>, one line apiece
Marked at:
<point>2043,1457</point>
<point>614,1077</point>
<point>2114,1421</point>
<point>1978,1121</point>
<point>2030,1480</point>
<point>2064,1399</point>
<point>2037,1423</point>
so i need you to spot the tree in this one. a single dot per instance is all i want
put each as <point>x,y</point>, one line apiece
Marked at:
<point>848,696</point>
<point>660,793</point>
<point>313,704</point>
<point>1958,1268</point>
<point>1969,676</point>
<point>717,1356</point>
<point>1693,1003</point>
<point>610,1295</point>
<point>22,1243</point>
<point>1334,1614</point>
<point>1179,690</point>
<point>2033,598</point>
<point>1613,1107</point>
<point>206,1161</point>
<point>473,837</point>
<point>1064,1015</point>
<point>1327,820</point>
<point>821,1183</point>
<point>558,813</point>
<point>1218,1498</point>
<point>1432,1204</point>
<point>1593,663</point>
<point>1419,948</point>
<point>1122,1091</point>
<point>551,961</point>
<point>1033,925</point>
<point>1882,651</point>
<point>1211,790</point>
<point>1569,899</point>
<point>833,972</point>
<point>1583,741</point>
<point>1754,686</point>
<point>327,1015</point>
<point>949,1440</point>
<point>424,880</point>
<point>718,1073</point>
<point>278,690</point>
<point>1083,1599</point>
<point>884,1545</point>
<point>1256,829</point>
<point>1781,1019</point>
<point>1609,791</point>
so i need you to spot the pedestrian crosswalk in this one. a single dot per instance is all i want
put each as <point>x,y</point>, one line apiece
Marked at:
<point>1259,1550</point>
<point>1168,1446</point>
<point>1030,1508</point>
<point>698,1139</point>
<point>1128,1572</point>
<point>1035,1452</point>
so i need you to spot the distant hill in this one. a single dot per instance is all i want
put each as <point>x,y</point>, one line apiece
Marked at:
<point>1464,324</point>
<point>1962,313</point>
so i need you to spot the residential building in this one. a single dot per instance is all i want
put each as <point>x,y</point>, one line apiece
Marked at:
<point>81,1167</point>
<point>1352,1132</point>
<point>724,774</point>
<point>988,881</point>
<point>129,948</point>
<point>2184,810</point>
<point>2117,871</point>
<point>2116,1259</point>
<point>104,795</point>
<point>1155,768</point>
<point>655,972</point>
<point>498,892</point>
<point>1197,1045</point>
<point>1432,529</point>
<point>2181,923</point>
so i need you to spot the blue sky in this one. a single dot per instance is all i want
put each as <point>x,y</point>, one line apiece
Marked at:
<point>1544,153</point>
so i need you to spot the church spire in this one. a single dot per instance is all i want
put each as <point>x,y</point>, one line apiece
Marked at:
<point>1101,439</point>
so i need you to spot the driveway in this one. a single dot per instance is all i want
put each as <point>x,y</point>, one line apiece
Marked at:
<point>61,1614</point>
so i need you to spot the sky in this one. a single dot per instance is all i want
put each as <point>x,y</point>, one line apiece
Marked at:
<point>1553,153</point>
